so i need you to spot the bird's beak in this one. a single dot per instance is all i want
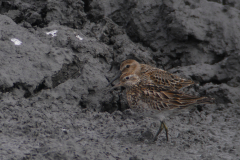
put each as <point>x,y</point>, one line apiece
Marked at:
<point>116,77</point>
<point>116,86</point>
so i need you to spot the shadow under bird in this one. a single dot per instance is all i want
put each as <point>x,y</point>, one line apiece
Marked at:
<point>158,93</point>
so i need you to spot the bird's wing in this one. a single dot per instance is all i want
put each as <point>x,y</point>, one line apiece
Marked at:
<point>161,77</point>
<point>160,97</point>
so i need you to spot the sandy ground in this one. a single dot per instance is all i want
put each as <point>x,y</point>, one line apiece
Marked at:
<point>58,56</point>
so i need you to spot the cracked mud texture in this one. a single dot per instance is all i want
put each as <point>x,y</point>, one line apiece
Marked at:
<point>53,99</point>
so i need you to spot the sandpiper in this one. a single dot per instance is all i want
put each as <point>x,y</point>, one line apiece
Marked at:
<point>157,97</point>
<point>149,74</point>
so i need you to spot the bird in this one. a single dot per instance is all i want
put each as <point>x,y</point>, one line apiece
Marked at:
<point>151,74</point>
<point>157,97</point>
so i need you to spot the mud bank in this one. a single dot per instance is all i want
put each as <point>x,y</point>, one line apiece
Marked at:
<point>54,103</point>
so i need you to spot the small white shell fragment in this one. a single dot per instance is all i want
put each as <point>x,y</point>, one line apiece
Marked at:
<point>80,38</point>
<point>16,41</point>
<point>53,33</point>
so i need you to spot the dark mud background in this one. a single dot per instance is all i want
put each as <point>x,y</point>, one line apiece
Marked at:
<point>54,104</point>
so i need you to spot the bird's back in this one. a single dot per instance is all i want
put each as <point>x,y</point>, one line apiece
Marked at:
<point>160,77</point>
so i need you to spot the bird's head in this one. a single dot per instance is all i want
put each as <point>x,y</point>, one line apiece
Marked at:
<point>130,66</point>
<point>128,80</point>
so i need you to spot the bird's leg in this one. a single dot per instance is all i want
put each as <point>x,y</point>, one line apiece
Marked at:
<point>162,125</point>
<point>166,129</point>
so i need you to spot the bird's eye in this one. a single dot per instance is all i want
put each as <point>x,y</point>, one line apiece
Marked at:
<point>127,66</point>
<point>127,78</point>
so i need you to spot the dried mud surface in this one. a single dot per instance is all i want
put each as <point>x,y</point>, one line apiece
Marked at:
<point>53,99</point>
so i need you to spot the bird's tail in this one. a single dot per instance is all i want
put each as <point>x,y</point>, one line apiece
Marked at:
<point>206,100</point>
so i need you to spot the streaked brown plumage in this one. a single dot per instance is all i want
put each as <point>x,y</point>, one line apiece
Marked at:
<point>149,74</point>
<point>157,97</point>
